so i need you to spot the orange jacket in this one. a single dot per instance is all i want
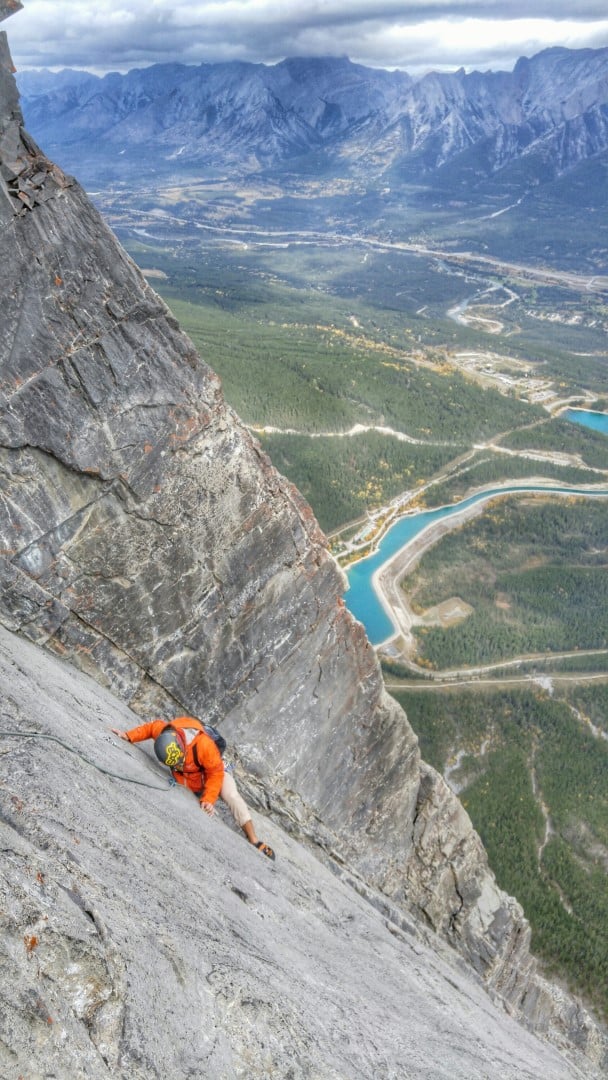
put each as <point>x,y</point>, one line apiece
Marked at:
<point>205,778</point>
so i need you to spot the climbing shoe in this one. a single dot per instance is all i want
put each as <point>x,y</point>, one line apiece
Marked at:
<point>265,849</point>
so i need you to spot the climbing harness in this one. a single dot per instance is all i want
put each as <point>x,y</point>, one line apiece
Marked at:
<point>100,768</point>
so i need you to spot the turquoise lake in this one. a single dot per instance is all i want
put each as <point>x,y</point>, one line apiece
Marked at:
<point>597,421</point>
<point>361,598</point>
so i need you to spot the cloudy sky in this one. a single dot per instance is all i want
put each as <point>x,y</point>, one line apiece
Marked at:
<point>416,35</point>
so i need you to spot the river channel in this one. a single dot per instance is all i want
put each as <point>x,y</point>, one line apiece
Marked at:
<point>362,599</point>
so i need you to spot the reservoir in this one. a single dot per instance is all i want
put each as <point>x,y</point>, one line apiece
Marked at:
<point>597,421</point>
<point>361,598</point>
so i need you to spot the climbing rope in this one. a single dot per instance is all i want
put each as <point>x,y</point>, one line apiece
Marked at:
<point>100,768</point>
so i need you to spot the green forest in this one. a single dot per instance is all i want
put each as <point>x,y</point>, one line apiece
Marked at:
<point>564,437</point>
<point>282,369</point>
<point>558,871</point>
<point>534,572</point>
<point>591,702</point>
<point>315,339</point>
<point>344,477</point>
<point>320,378</point>
<point>492,468</point>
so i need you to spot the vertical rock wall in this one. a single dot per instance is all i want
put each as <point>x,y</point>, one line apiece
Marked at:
<point>145,535</point>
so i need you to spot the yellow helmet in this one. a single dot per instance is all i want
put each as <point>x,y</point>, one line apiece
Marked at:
<point>168,749</point>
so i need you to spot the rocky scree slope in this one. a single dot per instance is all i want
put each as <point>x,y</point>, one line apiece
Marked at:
<point>144,536</point>
<point>142,939</point>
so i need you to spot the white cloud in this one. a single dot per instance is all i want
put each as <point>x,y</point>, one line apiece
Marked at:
<point>416,36</point>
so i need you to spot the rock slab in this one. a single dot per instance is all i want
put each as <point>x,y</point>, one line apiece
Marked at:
<point>141,939</point>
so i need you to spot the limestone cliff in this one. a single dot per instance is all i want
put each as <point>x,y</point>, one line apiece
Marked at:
<point>142,940</point>
<point>145,537</point>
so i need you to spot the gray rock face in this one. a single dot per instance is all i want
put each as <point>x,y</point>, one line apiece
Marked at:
<point>9,7</point>
<point>145,537</point>
<point>143,940</point>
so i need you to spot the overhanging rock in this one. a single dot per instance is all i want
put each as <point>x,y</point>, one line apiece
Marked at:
<point>9,7</point>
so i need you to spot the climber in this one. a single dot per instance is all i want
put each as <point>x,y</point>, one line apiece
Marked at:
<point>195,761</point>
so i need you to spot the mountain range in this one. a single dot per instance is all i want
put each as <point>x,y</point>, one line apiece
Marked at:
<point>328,115</point>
